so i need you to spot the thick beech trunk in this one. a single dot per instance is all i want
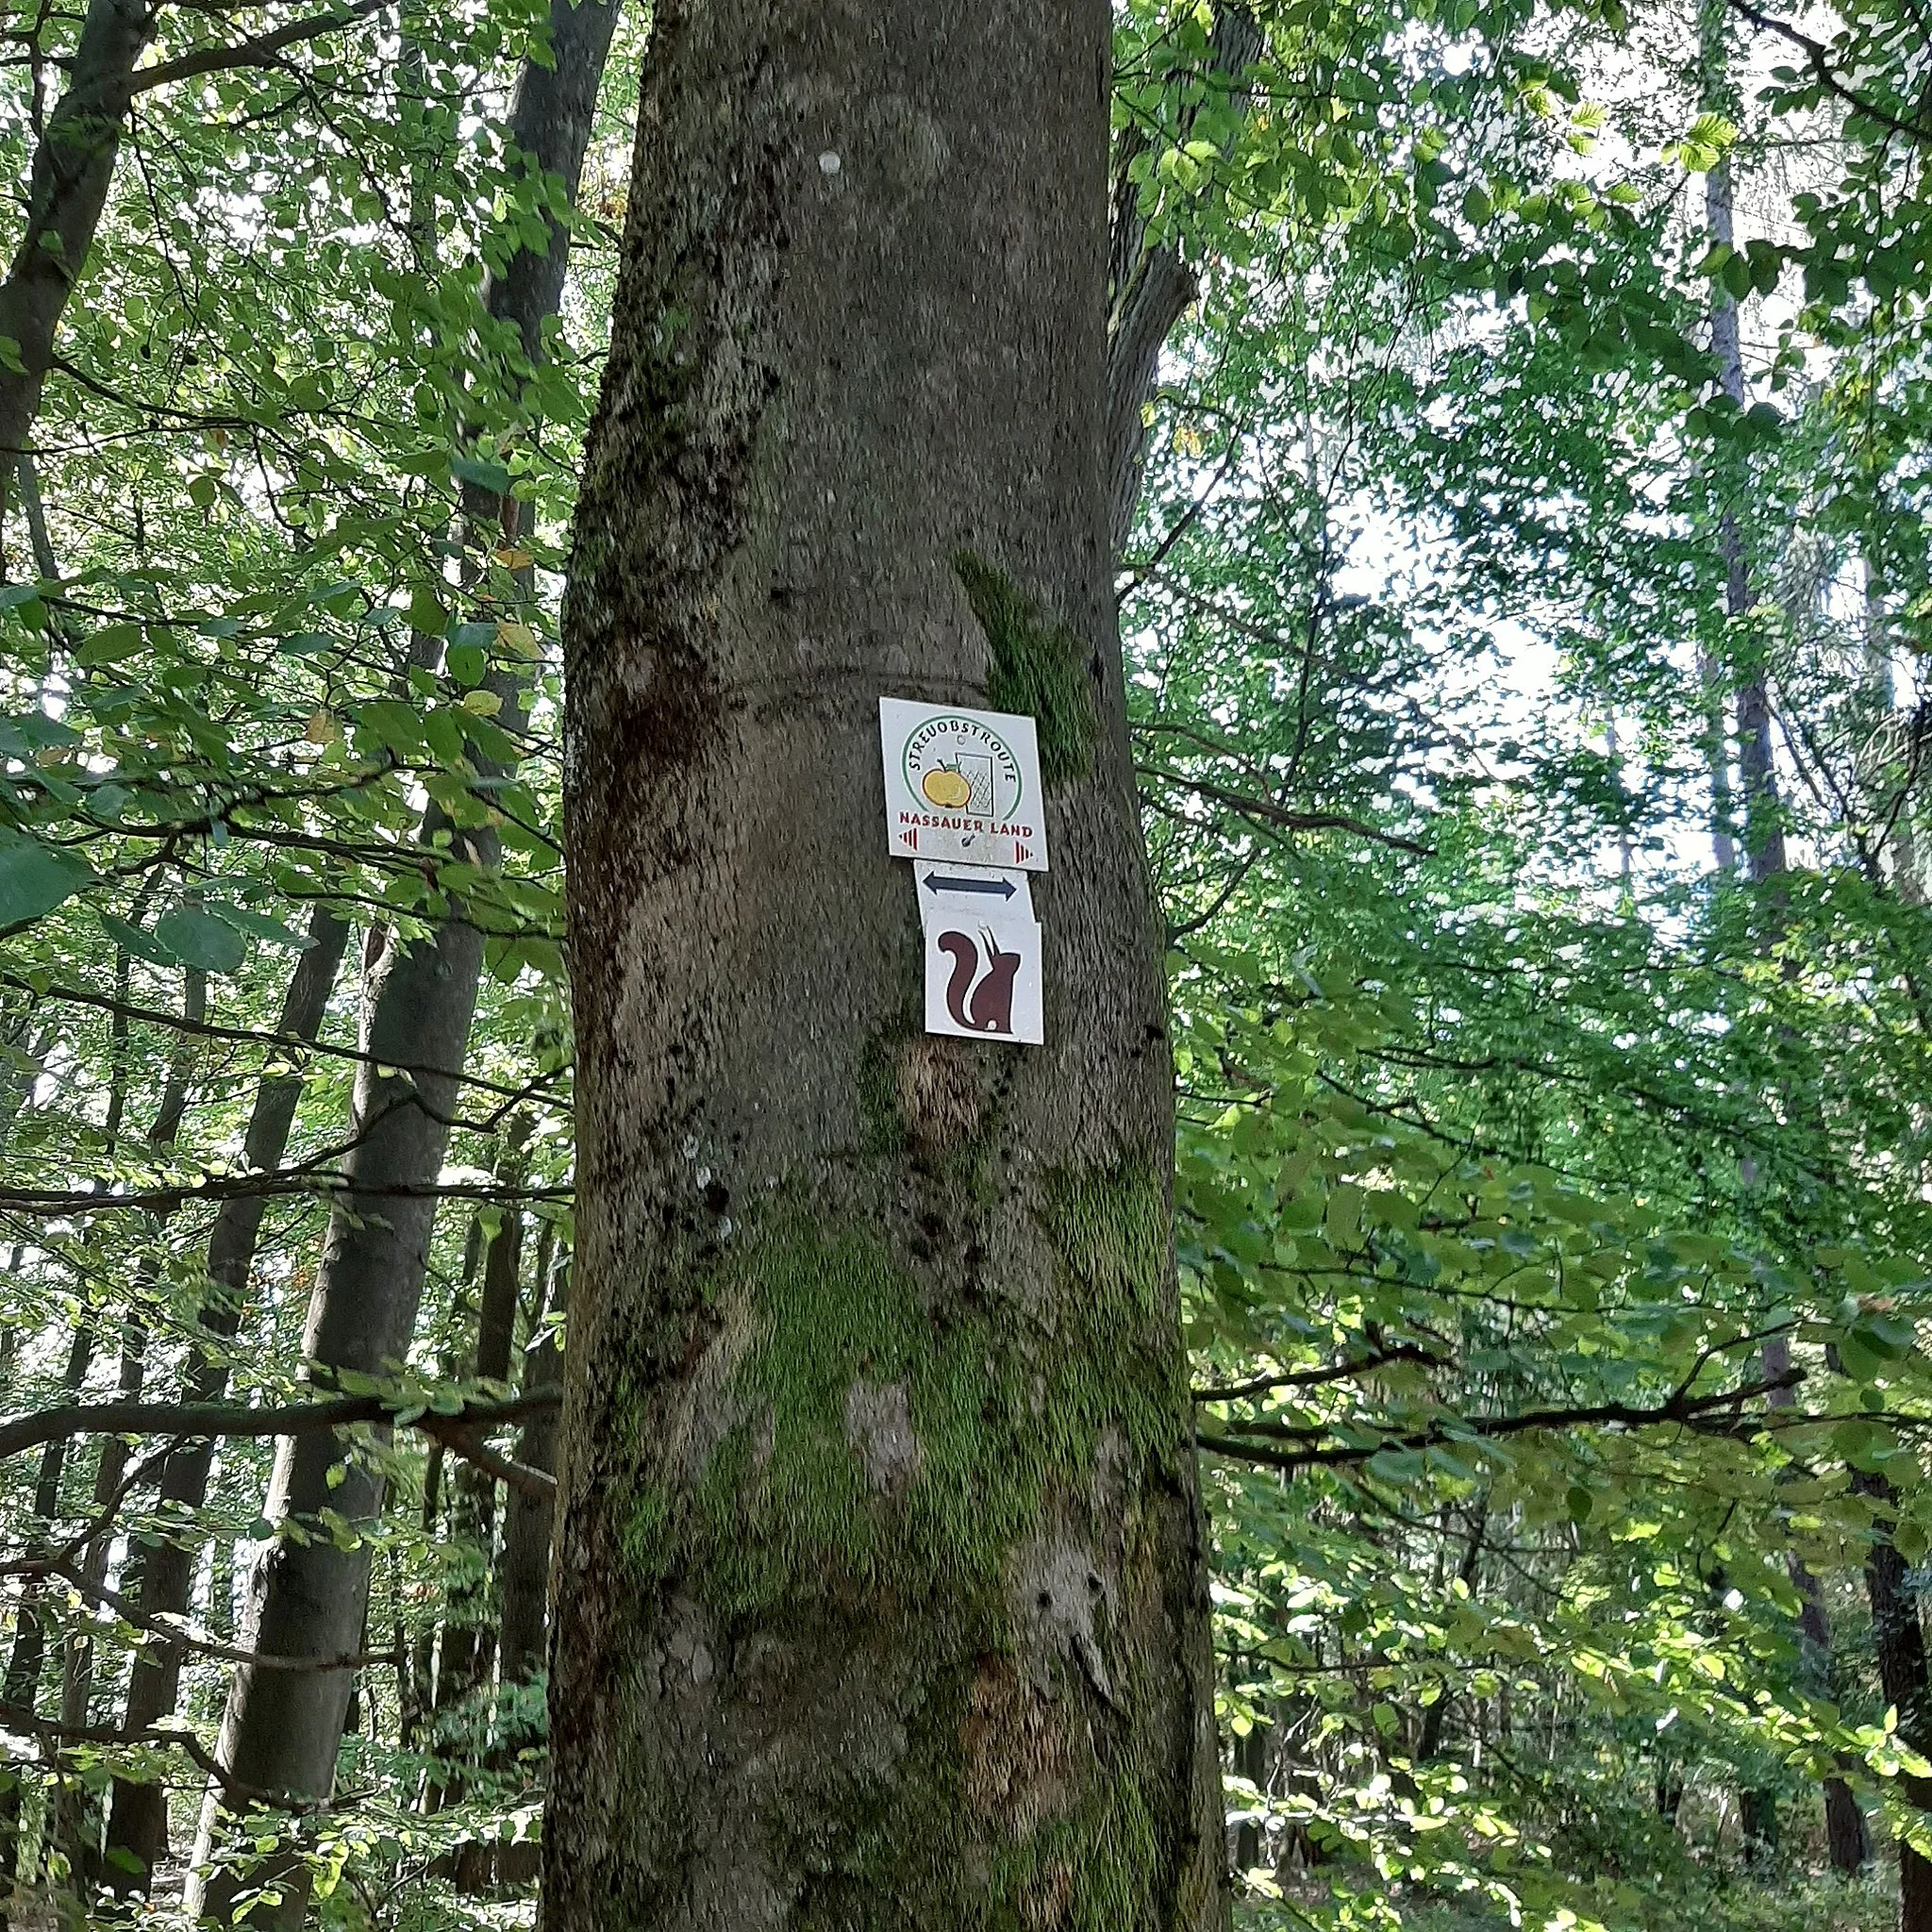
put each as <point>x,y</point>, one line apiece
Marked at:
<point>165,1570</point>
<point>880,1595</point>
<point>282,1727</point>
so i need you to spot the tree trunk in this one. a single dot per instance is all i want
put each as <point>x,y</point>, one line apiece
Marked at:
<point>468,1632</point>
<point>1149,287</point>
<point>1900,1642</point>
<point>165,1570</point>
<point>73,169</point>
<point>526,1531</point>
<point>1764,838</point>
<point>26,1659</point>
<point>528,1516</point>
<point>282,1729</point>
<point>881,1595</point>
<point>76,1822</point>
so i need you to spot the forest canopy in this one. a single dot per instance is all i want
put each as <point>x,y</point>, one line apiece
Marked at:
<point>1518,426</point>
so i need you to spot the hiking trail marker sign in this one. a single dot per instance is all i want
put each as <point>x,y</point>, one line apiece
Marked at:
<point>962,785</point>
<point>964,804</point>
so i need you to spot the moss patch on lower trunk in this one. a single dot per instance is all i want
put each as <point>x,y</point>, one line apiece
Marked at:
<point>807,1484</point>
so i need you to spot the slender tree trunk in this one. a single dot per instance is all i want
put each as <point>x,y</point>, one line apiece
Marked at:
<point>164,1568</point>
<point>26,1660</point>
<point>469,1631</point>
<point>880,1588</point>
<point>1900,1641</point>
<point>526,1532</point>
<point>307,1596</point>
<point>1149,287</point>
<point>1844,1823</point>
<point>282,1729</point>
<point>73,169</point>
<point>77,1820</point>
<point>1764,839</point>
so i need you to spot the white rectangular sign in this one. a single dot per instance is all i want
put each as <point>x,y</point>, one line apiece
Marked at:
<point>962,785</point>
<point>983,977</point>
<point>950,890</point>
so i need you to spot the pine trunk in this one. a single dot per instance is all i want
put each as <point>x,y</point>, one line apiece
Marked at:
<point>880,1594</point>
<point>165,1570</point>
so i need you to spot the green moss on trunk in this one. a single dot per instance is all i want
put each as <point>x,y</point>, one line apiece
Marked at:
<point>860,1433</point>
<point>1039,668</point>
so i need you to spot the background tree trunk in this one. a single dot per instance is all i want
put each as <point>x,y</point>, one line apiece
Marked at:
<point>73,169</point>
<point>282,1729</point>
<point>165,1570</point>
<point>526,1531</point>
<point>880,1595</point>
<point>1900,1641</point>
<point>1149,288</point>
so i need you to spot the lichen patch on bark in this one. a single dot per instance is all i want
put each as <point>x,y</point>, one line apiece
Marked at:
<point>878,1424</point>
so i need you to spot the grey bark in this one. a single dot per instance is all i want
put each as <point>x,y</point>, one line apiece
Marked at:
<point>469,1632</point>
<point>468,1637</point>
<point>73,169</point>
<point>164,1568</point>
<point>1764,839</point>
<point>281,1729</point>
<point>879,1594</point>
<point>1844,1823</point>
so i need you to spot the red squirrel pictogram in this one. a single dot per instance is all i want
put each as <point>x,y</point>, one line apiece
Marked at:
<point>990,1008</point>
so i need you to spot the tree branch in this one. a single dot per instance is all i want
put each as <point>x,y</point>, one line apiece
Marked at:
<point>257,52</point>
<point>193,1420</point>
<point>1680,1411</point>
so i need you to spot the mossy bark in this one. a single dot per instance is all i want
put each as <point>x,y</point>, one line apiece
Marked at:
<point>880,1597</point>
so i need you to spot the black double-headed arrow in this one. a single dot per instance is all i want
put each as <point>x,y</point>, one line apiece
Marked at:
<point>934,883</point>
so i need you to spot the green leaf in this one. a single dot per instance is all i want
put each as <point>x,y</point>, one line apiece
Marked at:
<point>35,878</point>
<point>466,663</point>
<point>491,476</point>
<point>259,925</point>
<point>137,942</point>
<point>197,938</point>
<point>425,609</point>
